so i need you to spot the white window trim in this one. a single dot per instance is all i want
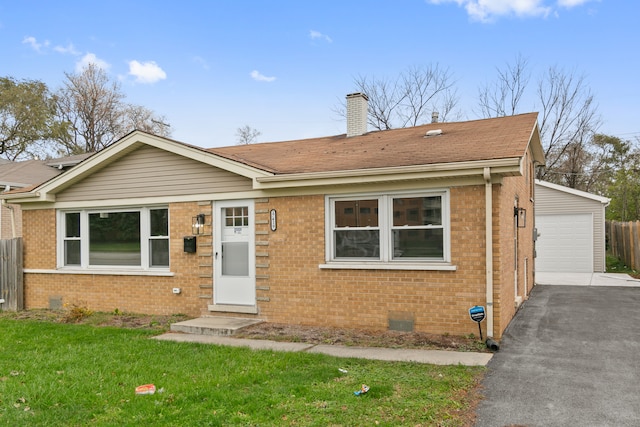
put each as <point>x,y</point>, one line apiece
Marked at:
<point>385,217</point>
<point>145,238</point>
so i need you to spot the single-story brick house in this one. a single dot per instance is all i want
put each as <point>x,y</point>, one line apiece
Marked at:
<point>400,229</point>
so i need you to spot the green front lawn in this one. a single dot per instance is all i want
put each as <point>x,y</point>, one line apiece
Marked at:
<point>77,375</point>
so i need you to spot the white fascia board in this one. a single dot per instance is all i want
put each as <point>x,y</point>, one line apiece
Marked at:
<point>604,200</point>
<point>207,157</point>
<point>43,193</point>
<point>536,146</point>
<point>510,166</point>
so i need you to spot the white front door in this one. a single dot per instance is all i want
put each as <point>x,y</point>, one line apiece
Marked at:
<point>234,258</point>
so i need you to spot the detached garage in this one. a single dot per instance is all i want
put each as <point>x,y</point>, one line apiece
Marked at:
<point>570,224</point>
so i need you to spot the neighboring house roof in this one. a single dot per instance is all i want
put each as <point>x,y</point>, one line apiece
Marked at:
<point>25,173</point>
<point>604,200</point>
<point>475,140</point>
<point>460,149</point>
<point>68,161</point>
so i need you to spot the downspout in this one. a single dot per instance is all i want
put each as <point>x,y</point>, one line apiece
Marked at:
<point>489,249</point>
<point>13,221</point>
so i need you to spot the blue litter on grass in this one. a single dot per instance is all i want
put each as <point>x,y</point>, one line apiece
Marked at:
<point>363,390</point>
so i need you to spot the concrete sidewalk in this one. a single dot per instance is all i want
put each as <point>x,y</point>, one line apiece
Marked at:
<point>586,279</point>
<point>435,357</point>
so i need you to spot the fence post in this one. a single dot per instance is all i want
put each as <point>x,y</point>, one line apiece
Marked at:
<point>624,242</point>
<point>11,276</point>
<point>636,246</point>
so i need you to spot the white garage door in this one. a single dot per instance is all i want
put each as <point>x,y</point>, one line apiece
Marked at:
<point>565,243</point>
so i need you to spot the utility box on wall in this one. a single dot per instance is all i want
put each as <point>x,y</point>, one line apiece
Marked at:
<point>190,244</point>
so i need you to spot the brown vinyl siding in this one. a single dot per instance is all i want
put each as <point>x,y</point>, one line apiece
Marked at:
<point>151,172</point>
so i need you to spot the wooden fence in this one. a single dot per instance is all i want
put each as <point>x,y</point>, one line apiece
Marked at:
<point>624,242</point>
<point>11,284</point>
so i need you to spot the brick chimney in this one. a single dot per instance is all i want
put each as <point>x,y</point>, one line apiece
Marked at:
<point>357,109</point>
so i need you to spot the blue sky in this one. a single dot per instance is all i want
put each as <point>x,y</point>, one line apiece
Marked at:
<point>281,67</point>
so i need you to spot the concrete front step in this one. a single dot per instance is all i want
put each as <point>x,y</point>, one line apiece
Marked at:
<point>219,326</point>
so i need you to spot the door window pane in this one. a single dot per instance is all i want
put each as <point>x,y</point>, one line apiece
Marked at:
<point>235,259</point>
<point>237,217</point>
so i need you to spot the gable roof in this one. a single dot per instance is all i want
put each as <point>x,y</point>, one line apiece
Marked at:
<point>470,141</point>
<point>459,149</point>
<point>604,200</point>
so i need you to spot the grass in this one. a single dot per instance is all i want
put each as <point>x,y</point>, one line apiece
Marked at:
<point>616,265</point>
<point>77,375</point>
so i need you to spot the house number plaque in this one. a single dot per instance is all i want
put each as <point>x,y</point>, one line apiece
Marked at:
<point>273,221</point>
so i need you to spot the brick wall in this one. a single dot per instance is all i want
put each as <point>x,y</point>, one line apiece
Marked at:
<point>505,294</point>
<point>300,292</point>
<point>290,286</point>
<point>138,294</point>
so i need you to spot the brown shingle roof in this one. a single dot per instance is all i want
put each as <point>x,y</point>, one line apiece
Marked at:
<point>476,140</point>
<point>25,173</point>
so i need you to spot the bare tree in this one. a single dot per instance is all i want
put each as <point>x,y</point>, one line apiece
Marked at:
<point>502,98</point>
<point>568,117</point>
<point>96,115</point>
<point>247,135</point>
<point>426,90</point>
<point>91,104</point>
<point>409,99</point>
<point>144,119</point>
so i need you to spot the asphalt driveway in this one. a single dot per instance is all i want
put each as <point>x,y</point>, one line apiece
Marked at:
<point>570,357</point>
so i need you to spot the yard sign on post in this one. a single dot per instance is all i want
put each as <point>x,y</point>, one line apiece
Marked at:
<point>477,315</point>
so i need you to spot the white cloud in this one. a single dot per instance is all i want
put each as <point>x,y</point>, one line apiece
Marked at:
<point>31,41</point>
<point>68,49</point>
<point>490,10</point>
<point>572,3</point>
<point>147,72</point>
<point>255,75</point>
<point>91,58</point>
<point>318,35</point>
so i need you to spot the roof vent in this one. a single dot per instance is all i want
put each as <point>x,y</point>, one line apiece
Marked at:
<point>434,132</point>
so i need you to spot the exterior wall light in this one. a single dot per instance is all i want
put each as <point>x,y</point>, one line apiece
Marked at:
<point>198,224</point>
<point>521,217</point>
